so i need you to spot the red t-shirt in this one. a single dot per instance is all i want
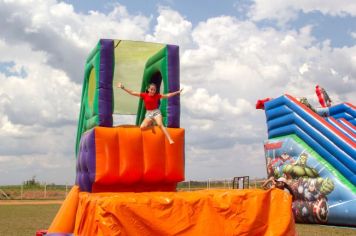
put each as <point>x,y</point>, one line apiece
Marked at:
<point>151,102</point>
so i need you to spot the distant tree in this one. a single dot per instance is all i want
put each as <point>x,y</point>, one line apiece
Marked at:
<point>32,181</point>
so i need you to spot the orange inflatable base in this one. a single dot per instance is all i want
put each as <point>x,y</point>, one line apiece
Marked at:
<point>207,212</point>
<point>65,219</point>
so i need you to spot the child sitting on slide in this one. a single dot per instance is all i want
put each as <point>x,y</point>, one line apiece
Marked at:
<point>151,99</point>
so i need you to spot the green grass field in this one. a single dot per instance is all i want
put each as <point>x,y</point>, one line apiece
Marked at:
<point>23,220</point>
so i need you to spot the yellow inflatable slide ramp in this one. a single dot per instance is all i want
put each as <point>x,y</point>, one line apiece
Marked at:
<point>206,212</point>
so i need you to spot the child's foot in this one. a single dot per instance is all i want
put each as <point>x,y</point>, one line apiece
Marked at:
<point>171,141</point>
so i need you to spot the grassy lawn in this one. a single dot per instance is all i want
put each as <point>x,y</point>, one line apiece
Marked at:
<point>23,220</point>
<point>321,230</point>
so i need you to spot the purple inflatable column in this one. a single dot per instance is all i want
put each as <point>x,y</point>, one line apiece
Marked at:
<point>105,102</point>
<point>86,162</point>
<point>173,108</point>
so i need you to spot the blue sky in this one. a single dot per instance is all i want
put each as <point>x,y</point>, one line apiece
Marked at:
<point>196,11</point>
<point>335,28</point>
<point>232,53</point>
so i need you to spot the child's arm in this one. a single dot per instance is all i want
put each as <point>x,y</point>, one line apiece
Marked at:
<point>168,95</point>
<point>120,85</point>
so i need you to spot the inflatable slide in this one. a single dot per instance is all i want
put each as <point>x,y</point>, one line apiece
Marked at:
<point>126,177</point>
<point>314,152</point>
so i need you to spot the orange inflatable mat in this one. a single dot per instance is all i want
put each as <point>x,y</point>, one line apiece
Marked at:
<point>65,218</point>
<point>207,212</point>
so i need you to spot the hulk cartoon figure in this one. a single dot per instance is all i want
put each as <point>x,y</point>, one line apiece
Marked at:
<point>300,169</point>
<point>309,190</point>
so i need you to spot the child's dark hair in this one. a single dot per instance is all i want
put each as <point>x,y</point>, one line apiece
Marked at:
<point>152,84</point>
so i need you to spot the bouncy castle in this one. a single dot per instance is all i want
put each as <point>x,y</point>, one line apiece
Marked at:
<point>126,178</point>
<point>313,151</point>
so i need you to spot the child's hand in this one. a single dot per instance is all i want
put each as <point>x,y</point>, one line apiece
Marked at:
<point>120,85</point>
<point>180,91</point>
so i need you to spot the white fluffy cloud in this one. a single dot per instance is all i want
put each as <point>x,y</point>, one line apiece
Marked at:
<point>39,113</point>
<point>227,64</point>
<point>171,28</point>
<point>284,11</point>
<point>202,104</point>
<point>240,60</point>
<point>64,35</point>
<point>234,64</point>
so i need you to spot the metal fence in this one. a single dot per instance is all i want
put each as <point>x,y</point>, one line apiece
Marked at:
<point>228,183</point>
<point>59,192</point>
<point>43,191</point>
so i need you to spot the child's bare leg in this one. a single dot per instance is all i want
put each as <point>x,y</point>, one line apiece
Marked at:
<point>159,122</point>
<point>146,123</point>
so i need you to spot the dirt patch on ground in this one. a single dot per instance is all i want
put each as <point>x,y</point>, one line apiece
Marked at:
<point>30,202</point>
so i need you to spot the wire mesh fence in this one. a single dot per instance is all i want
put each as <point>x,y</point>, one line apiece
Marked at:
<point>228,183</point>
<point>59,192</point>
<point>42,191</point>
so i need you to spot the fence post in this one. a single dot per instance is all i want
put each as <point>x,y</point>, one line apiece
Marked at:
<point>21,191</point>
<point>255,182</point>
<point>45,190</point>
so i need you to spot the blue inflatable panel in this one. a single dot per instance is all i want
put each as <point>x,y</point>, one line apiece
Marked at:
<point>287,116</point>
<point>321,194</point>
<point>343,166</point>
<point>342,108</point>
<point>348,125</point>
<point>345,111</point>
<point>338,125</point>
